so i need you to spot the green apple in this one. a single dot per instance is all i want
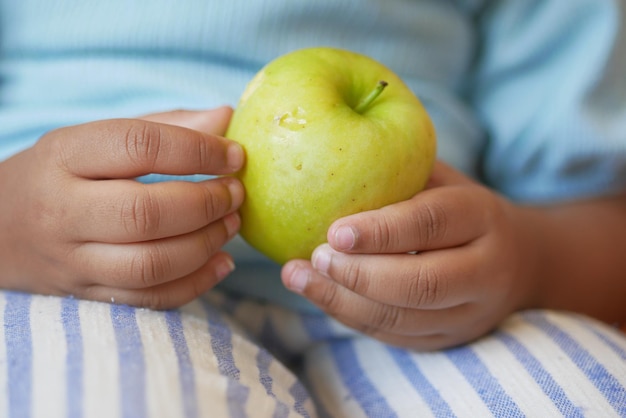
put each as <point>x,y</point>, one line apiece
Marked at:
<point>327,133</point>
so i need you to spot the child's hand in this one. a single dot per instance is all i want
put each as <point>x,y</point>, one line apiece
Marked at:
<point>437,270</point>
<point>74,222</point>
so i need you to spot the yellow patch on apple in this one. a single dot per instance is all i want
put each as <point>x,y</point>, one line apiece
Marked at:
<point>327,133</point>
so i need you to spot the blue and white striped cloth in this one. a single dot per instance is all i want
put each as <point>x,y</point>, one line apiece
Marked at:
<point>219,357</point>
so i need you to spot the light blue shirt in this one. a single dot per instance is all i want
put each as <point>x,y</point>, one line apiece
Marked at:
<point>528,95</point>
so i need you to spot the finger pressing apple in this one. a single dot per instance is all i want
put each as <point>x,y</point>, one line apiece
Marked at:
<point>438,217</point>
<point>127,148</point>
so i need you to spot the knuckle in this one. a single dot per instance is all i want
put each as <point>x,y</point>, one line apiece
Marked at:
<point>214,206</point>
<point>331,300</point>
<point>385,318</point>
<point>195,289</point>
<point>149,267</point>
<point>52,144</point>
<point>428,288</point>
<point>355,278</point>
<point>213,238</point>
<point>152,299</point>
<point>59,151</point>
<point>205,154</point>
<point>143,143</point>
<point>384,235</point>
<point>433,222</point>
<point>140,215</point>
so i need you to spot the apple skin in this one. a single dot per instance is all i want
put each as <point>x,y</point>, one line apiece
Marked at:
<point>312,159</point>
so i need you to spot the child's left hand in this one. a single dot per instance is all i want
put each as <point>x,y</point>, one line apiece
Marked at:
<point>437,270</point>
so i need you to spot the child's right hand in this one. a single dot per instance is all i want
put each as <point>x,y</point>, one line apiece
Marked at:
<point>74,222</point>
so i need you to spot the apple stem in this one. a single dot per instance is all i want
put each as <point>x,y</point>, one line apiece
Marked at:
<point>367,100</point>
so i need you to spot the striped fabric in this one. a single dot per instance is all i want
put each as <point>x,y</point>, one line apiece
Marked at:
<point>220,357</point>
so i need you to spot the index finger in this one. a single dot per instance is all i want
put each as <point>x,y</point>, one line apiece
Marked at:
<point>125,148</point>
<point>437,218</point>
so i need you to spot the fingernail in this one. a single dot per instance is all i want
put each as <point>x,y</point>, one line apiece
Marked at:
<point>236,191</point>
<point>234,156</point>
<point>299,280</point>
<point>345,238</point>
<point>321,259</point>
<point>224,268</point>
<point>232,221</point>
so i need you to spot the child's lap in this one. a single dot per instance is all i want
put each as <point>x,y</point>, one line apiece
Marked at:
<point>218,357</point>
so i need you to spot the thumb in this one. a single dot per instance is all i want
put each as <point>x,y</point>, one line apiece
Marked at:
<point>212,121</point>
<point>444,175</point>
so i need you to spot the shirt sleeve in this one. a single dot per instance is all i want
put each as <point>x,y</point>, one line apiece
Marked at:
<point>550,89</point>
